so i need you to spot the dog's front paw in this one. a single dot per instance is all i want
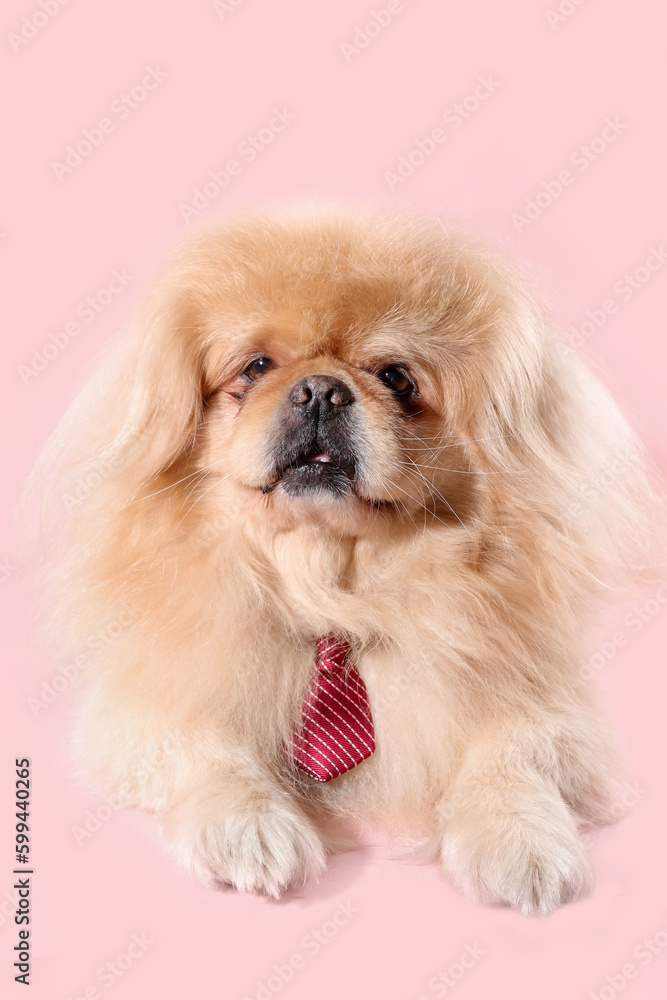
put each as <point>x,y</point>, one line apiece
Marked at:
<point>258,845</point>
<point>534,862</point>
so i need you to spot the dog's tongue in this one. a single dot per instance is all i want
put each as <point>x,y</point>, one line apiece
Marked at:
<point>320,457</point>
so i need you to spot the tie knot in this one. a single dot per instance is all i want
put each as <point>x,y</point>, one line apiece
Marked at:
<point>331,652</point>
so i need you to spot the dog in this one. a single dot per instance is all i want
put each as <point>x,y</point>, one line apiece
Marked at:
<point>351,511</point>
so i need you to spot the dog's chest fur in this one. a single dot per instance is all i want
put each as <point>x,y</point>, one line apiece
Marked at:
<point>376,599</point>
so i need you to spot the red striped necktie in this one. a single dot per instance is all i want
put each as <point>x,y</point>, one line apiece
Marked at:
<point>337,725</point>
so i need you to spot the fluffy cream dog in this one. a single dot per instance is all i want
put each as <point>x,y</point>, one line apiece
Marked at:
<point>358,425</point>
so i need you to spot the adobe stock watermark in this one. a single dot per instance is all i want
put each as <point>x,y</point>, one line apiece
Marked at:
<point>453,117</point>
<point>7,569</point>
<point>109,973</point>
<point>376,23</point>
<point>634,622</point>
<point>63,678</point>
<point>562,13</point>
<point>473,784</point>
<point>311,944</point>
<point>247,151</point>
<point>209,535</point>
<point>397,687</point>
<point>32,24</point>
<point>630,793</point>
<point>445,980</point>
<point>95,818</point>
<point>121,109</point>
<point>644,954</point>
<point>224,7</point>
<point>95,474</point>
<point>90,480</point>
<point>85,313</point>
<point>580,160</point>
<point>622,463</point>
<point>624,289</point>
<point>8,906</point>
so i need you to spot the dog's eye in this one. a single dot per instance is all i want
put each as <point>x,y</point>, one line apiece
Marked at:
<point>397,380</point>
<point>257,368</point>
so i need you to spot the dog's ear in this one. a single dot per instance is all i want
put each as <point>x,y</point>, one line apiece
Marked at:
<point>156,385</point>
<point>562,451</point>
<point>121,441</point>
<point>141,407</point>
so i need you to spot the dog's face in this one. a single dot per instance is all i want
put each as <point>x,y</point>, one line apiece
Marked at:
<point>339,366</point>
<point>347,428</point>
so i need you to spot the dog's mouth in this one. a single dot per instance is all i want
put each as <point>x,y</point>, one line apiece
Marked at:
<point>314,469</point>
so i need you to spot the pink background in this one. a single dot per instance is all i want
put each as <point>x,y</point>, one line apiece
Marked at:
<point>555,85</point>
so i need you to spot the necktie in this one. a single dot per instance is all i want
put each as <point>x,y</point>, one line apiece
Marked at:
<point>337,725</point>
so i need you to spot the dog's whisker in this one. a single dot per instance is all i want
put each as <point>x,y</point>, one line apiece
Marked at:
<point>458,444</point>
<point>396,500</point>
<point>398,503</point>
<point>169,487</point>
<point>195,484</point>
<point>466,472</point>
<point>423,506</point>
<point>444,500</point>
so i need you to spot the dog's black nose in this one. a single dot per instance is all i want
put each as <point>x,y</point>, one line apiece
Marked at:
<point>321,395</point>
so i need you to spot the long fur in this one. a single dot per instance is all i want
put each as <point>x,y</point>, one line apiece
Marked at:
<point>510,511</point>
